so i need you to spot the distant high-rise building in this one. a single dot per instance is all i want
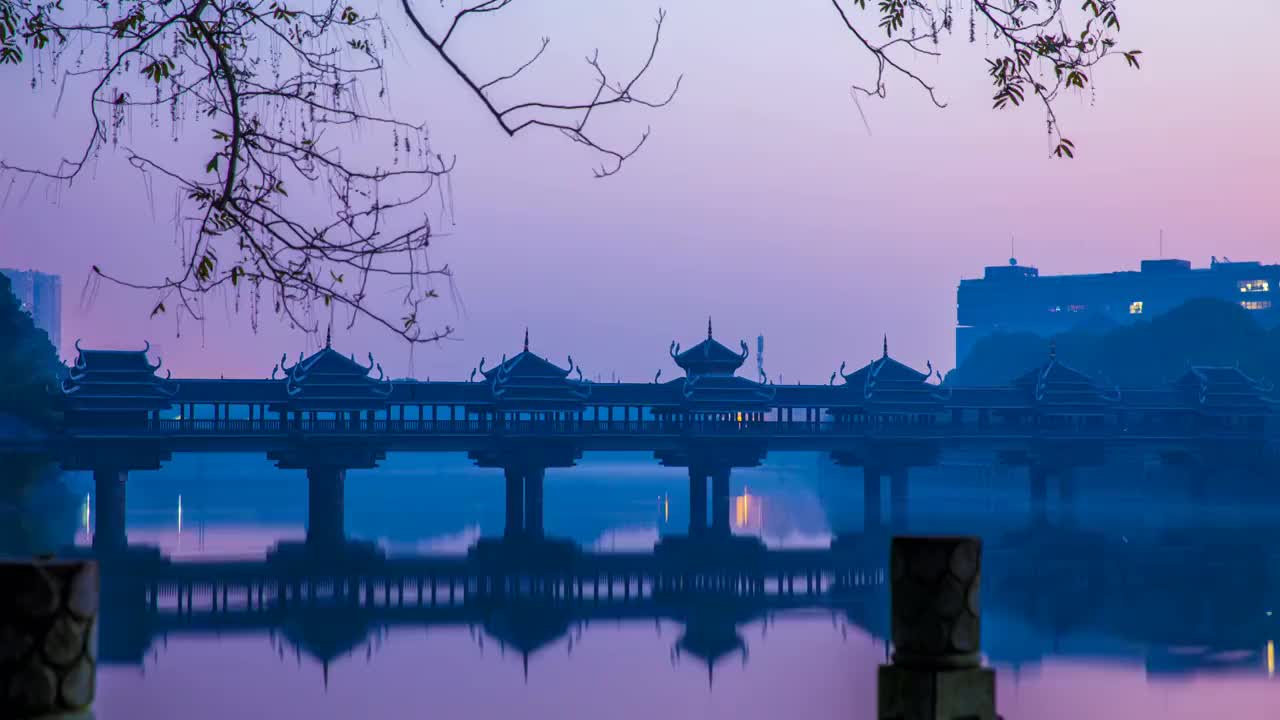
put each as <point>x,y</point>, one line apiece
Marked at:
<point>41,296</point>
<point>1017,298</point>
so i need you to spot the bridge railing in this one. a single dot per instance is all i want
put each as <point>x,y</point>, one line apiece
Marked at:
<point>667,427</point>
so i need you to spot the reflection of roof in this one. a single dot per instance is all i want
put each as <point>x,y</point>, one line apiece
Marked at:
<point>326,634</point>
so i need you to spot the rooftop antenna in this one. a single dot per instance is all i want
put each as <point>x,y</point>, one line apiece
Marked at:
<point>1161,243</point>
<point>1013,255</point>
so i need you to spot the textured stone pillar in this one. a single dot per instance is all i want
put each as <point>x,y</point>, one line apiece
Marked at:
<point>533,501</point>
<point>697,501</point>
<point>109,524</point>
<point>48,637</point>
<point>515,503</point>
<point>720,502</point>
<point>871,520</point>
<point>326,507</point>
<point>898,489</point>
<point>936,629</point>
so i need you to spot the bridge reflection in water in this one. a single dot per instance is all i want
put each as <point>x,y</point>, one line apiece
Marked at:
<point>1182,602</point>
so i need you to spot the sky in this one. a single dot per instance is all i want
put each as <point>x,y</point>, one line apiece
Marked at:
<point>761,199</point>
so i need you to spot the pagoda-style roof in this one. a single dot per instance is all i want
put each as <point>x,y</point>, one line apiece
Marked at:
<point>890,385</point>
<point>1055,386</point>
<point>718,392</point>
<point>331,381</point>
<point>1226,390</point>
<point>708,357</point>
<point>116,381</point>
<point>531,380</point>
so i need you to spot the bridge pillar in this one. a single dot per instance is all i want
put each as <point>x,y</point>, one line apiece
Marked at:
<point>1039,477</point>
<point>515,503</point>
<point>898,487</point>
<point>533,501</point>
<point>326,507</point>
<point>720,502</point>
<point>871,520</point>
<point>109,494</point>
<point>697,501</point>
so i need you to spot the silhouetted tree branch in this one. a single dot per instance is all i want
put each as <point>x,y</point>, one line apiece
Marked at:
<point>571,119</point>
<point>277,214</point>
<point>1048,49</point>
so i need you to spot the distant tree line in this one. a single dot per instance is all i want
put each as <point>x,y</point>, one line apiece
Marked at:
<point>1148,353</point>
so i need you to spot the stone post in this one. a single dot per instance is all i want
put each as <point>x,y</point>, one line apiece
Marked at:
<point>48,637</point>
<point>936,673</point>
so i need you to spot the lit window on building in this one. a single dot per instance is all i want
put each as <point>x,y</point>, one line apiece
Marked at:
<point>1253,286</point>
<point>1135,307</point>
<point>1256,304</point>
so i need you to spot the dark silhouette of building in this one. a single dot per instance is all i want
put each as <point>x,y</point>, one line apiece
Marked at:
<point>1017,298</point>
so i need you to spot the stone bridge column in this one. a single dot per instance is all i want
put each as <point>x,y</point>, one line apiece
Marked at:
<point>697,501</point>
<point>720,502</point>
<point>871,520</point>
<point>533,501</point>
<point>326,507</point>
<point>1039,477</point>
<point>109,494</point>
<point>515,503</point>
<point>899,486</point>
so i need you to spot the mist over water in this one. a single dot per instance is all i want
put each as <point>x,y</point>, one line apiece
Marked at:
<point>1134,602</point>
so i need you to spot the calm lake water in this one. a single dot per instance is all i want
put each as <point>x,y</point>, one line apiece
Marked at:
<point>1123,606</point>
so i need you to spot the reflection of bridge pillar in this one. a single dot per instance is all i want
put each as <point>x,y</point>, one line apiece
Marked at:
<point>1039,476</point>
<point>720,501</point>
<point>109,528</point>
<point>326,506</point>
<point>533,501</point>
<point>870,498</point>
<point>898,484</point>
<point>697,501</point>
<point>515,502</point>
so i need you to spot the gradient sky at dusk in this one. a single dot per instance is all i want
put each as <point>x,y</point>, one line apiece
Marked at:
<point>760,198</point>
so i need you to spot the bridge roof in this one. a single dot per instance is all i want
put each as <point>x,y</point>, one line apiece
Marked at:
<point>115,381</point>
<point>529,380</point>
<point>719,392</point>
<point>1225,390</point>
<point>708,357</point>
<point>330,381</point>
<point>891,385</point>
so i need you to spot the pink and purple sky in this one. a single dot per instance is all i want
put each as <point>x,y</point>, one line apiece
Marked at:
<point>760,199</point>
